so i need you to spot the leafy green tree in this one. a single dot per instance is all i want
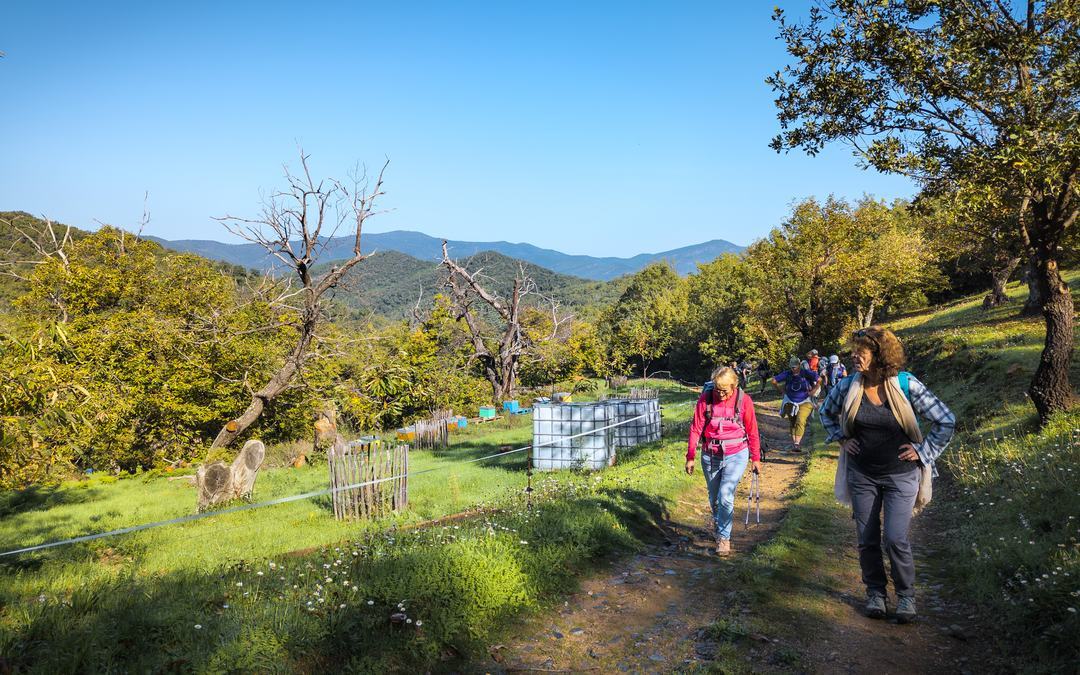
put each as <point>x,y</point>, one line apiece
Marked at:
<point>888,263</point>
<point>793,275</point>
<point>834,265</point>
<point>127,356</point>
<point>572,350</point>
<point>981,97</point>
<point>716,327</point>
<point>405,373</point>
<point>974,248</point>
<point>640,325</point>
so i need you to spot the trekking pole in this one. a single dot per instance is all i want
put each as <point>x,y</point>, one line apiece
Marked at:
<point>757,495</point>
<point>752,497</point>
<point>749,501</point>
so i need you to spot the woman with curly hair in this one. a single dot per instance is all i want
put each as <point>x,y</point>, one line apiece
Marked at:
<point>886,464</point>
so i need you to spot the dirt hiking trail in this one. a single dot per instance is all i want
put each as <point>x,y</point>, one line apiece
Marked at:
<point>651,612</point>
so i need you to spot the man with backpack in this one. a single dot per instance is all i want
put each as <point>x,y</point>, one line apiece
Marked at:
<point>763,374</point>
<point>834,372</point>
<point>795,384</point>
<point>725,427</point>
<point>744,374</point>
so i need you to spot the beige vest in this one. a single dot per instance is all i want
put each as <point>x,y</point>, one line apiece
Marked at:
<point>905,416</point>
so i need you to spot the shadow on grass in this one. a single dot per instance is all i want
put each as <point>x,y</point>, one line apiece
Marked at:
<point>333,609</point>
<point>37,498</point>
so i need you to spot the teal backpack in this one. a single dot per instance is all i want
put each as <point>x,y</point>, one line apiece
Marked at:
<point>905,383</point>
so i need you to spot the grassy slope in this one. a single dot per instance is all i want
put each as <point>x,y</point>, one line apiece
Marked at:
<point>1010,505</point>
<point>1007,507</point>
<point>135,601</point>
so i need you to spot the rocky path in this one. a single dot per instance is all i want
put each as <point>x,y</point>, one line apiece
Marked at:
<point>945,638</point>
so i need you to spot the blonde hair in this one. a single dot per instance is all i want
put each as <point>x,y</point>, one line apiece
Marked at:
<point>725,373</point>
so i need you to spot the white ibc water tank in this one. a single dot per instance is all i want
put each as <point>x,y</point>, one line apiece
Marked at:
<point>572,435</point>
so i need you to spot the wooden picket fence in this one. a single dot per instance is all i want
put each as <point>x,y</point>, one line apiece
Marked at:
<point>355,463</point>
<point>643,393</point>
<point>433,434</point>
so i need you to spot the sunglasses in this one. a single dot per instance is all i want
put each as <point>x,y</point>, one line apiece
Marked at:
<point>863,333</point>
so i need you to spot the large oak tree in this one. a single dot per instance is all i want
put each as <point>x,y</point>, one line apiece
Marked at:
<point>978,94</point>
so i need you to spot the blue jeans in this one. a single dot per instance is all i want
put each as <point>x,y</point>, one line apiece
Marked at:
<point>722,475</point>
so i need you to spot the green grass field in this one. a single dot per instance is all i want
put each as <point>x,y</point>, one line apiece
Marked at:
<point>201,596</point>
<point>34,516</point>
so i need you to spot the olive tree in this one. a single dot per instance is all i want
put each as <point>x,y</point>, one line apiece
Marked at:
<point>983,95</point>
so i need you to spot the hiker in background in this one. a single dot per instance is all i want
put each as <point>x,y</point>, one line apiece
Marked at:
<point>813,362</point>
<point>744,374</point>
<point>823,378</point>
<point>763,374</point>
<point>886,465</point>
<point>834,372</point>
<point>795,384</point>
<point>725,427</point>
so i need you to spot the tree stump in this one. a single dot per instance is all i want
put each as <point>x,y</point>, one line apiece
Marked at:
<point>326,431</point>
<point>219,483</point>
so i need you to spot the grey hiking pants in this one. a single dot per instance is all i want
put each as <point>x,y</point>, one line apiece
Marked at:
<point>895,494</point>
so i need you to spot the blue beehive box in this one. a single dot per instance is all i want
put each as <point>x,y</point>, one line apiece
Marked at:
<point>511,406</point>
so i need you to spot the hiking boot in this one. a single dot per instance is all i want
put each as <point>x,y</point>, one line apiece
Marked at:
<point>796,448</point>
<point>875,605</point>
<point>905,609</point>
<point>723,546</point>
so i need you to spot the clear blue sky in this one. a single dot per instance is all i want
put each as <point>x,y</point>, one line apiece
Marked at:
<point>606,129</point>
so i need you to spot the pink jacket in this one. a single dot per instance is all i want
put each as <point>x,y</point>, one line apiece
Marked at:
<point>723,429</point>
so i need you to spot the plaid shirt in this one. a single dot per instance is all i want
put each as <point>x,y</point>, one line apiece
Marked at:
<point>923,402</point>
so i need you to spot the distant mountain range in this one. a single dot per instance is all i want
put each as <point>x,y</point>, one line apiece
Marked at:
<point>427,248</point>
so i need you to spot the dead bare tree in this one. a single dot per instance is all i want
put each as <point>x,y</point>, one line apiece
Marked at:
<point>35,243</point>
<point>500,350</point>
<point>295,227</point>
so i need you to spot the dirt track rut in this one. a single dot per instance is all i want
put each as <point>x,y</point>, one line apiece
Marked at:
<point>644,613</point>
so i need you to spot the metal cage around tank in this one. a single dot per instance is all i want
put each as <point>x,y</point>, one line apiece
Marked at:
<point>640,421</point>
<point>588,435</point>
<point>572,435</point>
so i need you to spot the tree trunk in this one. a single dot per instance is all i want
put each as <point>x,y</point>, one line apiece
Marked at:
<point>277,384</point>
<point>1034,304</point>
<point>1050,390</point>
<point>999,276</point>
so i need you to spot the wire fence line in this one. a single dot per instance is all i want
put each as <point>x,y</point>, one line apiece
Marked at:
<point>291,498</point>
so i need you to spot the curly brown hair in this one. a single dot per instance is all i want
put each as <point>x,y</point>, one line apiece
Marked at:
<point>884,345</point>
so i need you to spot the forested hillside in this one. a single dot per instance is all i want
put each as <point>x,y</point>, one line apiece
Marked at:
<point>390,283</point>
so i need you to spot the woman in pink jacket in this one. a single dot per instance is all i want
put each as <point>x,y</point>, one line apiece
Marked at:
<point>725,426</point>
